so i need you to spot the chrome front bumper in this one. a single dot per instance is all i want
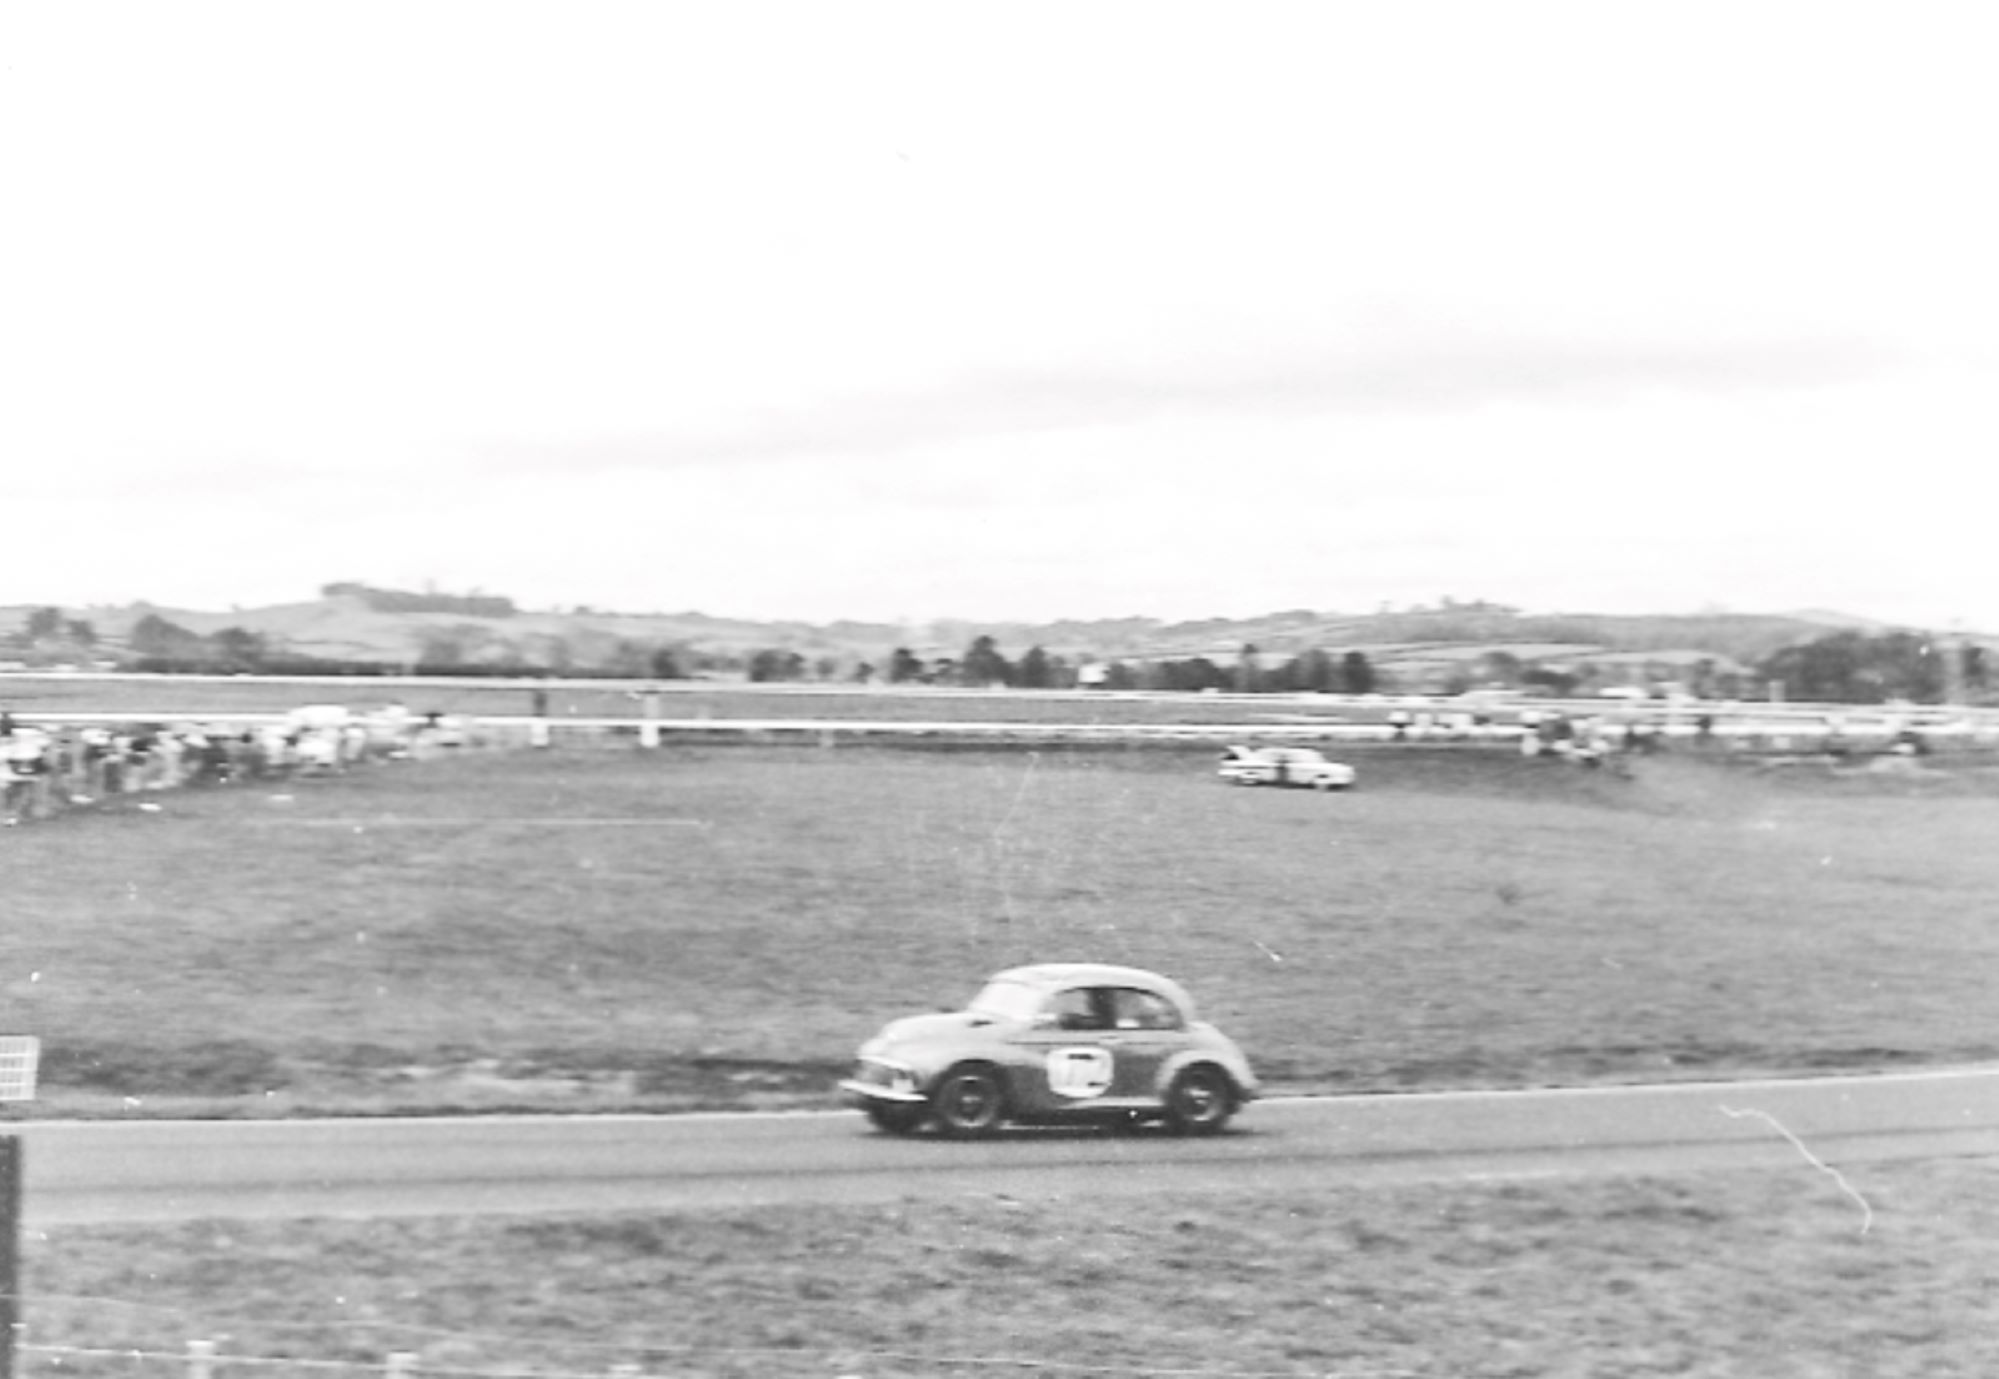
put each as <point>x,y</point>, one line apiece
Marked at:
<point>859,1092</point>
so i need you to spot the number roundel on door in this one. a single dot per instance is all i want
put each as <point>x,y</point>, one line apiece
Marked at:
<point>1079,1072</point>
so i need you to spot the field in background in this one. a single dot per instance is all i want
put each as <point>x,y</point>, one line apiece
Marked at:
<point>721,926</point>
<point>171,697</point>
<point>180,697</point>
<point>1766,1273</point>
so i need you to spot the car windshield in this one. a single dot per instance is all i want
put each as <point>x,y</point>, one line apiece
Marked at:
<point>1007,1000</point>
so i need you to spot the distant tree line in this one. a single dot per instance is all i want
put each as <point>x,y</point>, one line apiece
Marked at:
<point>983,665</point>
<point>1843,667</point>
<point>1840,667</point>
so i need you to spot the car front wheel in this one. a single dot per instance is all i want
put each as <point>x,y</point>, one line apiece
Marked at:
<point>969,1101</point>
<point>1200,1101</point>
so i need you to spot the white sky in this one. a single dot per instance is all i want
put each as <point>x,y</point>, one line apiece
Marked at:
<point>1006,310</point>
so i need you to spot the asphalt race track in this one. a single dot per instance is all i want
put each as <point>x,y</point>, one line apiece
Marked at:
<point>125,1171</point>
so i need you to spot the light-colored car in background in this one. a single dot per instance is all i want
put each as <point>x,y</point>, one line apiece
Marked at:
<point>1284,766</point>
<point>1057,1043</point>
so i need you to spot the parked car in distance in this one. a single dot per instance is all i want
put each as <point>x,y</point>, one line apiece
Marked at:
<point>1057,1043</point>
<point>1284,766</point>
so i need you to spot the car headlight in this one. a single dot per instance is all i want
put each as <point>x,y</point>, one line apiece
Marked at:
<point>888,1074</point>
<point>901,1077</point>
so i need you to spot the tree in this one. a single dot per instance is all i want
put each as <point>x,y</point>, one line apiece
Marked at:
<point>1357,673</point>
<point>665,665</point>
<point>80,631</point>
<point>1854,667</point>
<point>1191,676</point>
<point>153,635</point>
<point>1318,673</point>
<point>1501,668</point>
<point>1203,674</point>
<point>983,664</point>
<point>904,667</point>
<point>240,649</point>
<point>1034,670</point>
<point>44,622</point>
<point>768,665</point>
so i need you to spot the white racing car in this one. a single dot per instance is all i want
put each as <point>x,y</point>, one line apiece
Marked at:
<point>1284,766</point>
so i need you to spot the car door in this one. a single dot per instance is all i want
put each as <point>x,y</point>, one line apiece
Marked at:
<point>1146,1030</point>
<point>1068,1061</point>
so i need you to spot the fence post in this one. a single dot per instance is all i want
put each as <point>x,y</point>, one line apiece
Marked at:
<point>10,1250</point>
<point>200,1359</point>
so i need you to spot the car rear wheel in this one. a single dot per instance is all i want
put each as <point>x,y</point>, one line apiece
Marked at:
<point>969,1101</point>
<point>1200,1101</point>
<point>897,1119</point>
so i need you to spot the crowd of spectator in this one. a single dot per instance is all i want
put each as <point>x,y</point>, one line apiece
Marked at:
<point>50,768</point>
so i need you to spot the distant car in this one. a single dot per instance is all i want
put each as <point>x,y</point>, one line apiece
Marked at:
<point>1284,766</point>
<point>1059,1043</point>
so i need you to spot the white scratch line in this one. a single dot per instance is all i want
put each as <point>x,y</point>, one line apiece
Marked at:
<point>1033,760</point>
<point>999,835</point>
<point>1867,1212</point>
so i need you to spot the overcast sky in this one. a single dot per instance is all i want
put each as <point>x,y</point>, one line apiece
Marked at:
<point>1003,311</point>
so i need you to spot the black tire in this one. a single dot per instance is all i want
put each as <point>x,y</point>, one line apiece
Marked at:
<point>1200,1101</point>
<point>969,1101</point>
<point>896,1119</point>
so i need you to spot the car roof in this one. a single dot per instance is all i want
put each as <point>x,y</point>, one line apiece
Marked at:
<point>1054,976</point>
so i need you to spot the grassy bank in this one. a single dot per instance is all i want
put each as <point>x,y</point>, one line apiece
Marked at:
<point>1764,1273</point>
<point>701,927</point>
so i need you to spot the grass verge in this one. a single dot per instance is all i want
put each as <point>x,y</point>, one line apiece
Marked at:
<point>1766,1273</point>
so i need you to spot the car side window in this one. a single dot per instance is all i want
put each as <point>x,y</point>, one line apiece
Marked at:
<point>1077,1009</point>
<point>1134,1009</point>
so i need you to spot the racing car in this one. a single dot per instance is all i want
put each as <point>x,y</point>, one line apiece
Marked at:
<point>1284,766</point>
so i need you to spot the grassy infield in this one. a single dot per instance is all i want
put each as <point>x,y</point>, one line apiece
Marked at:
<point>715,925</point>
